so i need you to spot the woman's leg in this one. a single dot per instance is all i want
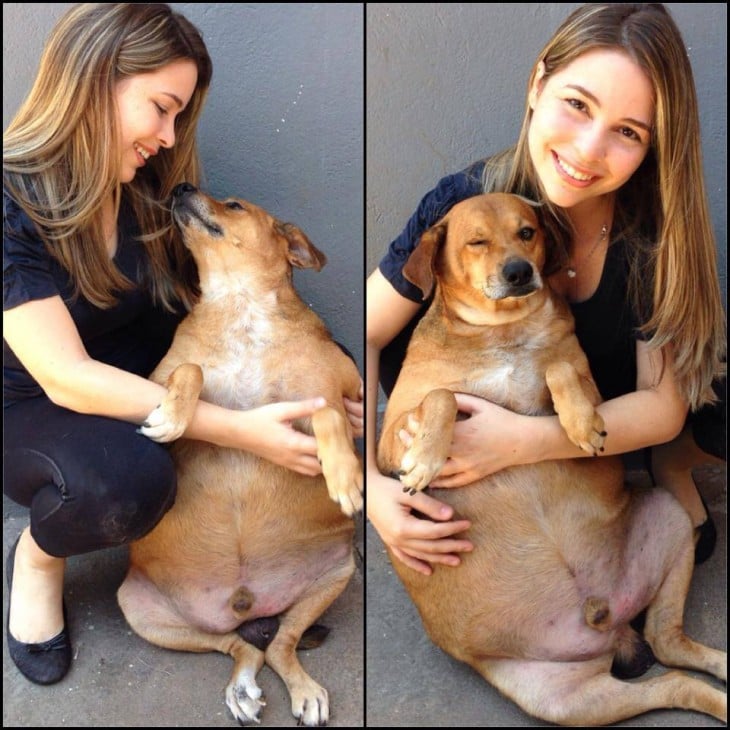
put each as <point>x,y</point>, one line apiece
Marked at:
<point>90,482</point>
<point>703,441</point>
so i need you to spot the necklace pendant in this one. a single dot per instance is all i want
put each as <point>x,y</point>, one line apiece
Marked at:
<point>571,273</point>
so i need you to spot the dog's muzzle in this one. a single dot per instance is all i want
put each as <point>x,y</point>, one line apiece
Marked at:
<point>188,206</point>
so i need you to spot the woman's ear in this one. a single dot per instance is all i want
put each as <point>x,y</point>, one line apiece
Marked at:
<point>536,86</point>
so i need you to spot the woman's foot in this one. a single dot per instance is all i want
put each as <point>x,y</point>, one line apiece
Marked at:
<point>705,539</point>
<point>36,612</point>
<point>37,637</point>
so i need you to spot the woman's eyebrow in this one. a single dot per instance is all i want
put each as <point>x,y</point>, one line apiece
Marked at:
<point>175,98</point>
<point>594,99</point>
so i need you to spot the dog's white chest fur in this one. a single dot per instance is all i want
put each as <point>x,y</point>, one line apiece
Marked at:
<point>235,372</point>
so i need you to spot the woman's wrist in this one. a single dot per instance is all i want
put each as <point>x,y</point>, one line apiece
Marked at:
<point>219,426</point>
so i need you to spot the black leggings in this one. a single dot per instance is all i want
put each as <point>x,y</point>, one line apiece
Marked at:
<point>90,482</point>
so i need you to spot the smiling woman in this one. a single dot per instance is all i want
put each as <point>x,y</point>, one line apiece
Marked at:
<point>96,280</point>
<point>609,147</point>
<point>147,107</point>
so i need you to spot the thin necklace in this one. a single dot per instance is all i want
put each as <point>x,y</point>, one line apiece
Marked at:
<point>572,270</point>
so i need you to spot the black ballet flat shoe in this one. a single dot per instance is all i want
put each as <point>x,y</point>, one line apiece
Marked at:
<point>47,662</point>
<point>705,545</point>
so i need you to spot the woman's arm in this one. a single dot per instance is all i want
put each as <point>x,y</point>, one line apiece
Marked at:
<point>416,542</point>
<point>654,413</point>
<point>44,337</point>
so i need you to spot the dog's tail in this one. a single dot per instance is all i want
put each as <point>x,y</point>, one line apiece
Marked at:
<point>261,631</point>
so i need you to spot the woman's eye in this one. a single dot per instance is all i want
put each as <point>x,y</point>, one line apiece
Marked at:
<point>577,104</point>
<point>234,205</point>
<point>630,134</point>
<point>160,109</point>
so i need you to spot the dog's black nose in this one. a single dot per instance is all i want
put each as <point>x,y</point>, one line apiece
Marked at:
<point>182,188</point>
<point>517,272</point>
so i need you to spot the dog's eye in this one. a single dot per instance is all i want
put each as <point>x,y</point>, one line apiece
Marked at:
<point>234,205</point>
<point>478,243</point>
<point>526,233</point>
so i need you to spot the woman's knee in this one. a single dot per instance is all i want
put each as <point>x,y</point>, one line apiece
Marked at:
<point>109,508</point>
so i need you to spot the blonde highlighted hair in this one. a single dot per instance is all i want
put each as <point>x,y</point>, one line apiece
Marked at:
<point>663,209</point>
<point>60,152</point>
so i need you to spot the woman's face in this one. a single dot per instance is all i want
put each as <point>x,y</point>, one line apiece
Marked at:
<point>590,128</point>
<point>147,105</point>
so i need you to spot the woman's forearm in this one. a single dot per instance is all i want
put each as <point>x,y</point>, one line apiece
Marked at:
<point>632,421</point>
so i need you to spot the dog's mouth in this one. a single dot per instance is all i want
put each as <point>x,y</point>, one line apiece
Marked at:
<point>501,291</point>
<point>516,279</point>
<point>191,209</point>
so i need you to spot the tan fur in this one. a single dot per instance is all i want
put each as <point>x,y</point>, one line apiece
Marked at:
<point>247,538</point>
<point>564,557</point>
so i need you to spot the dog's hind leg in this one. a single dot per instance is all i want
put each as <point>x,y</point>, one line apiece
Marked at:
<point>585,694</point>
<point>309,701</point>
<point>153,617</point>
<point>664,618</point>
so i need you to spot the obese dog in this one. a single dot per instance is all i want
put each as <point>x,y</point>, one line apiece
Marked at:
<point>245,538</point>
<point>564,556</point>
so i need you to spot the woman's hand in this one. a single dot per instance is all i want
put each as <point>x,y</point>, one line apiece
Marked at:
<point>416,542</point>
<point>268,432</point>
<point>355,413</point>
<point>491,439</point>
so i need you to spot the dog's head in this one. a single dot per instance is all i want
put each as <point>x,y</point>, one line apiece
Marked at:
<point>486,253</point>
<point>236,236</point>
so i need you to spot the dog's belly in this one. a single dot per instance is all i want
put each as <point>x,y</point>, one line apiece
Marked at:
<point>543,546</point>
<point>256,590</point>
<point>244,538</point>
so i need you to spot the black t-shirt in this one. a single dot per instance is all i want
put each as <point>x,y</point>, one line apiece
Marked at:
<point>132,335</point>
<point>605,324</point>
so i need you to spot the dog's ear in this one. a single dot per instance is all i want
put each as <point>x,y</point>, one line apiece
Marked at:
<point>419,268</point>
<point>301,252</point>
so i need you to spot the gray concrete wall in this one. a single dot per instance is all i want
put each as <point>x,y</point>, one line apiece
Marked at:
<point>446,86</point>
<point>283,126</point>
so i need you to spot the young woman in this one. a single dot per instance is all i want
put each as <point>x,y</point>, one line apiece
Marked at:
<point>618,171</point>
<point>95,281</point>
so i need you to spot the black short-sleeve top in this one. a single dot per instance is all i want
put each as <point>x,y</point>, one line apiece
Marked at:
<point>606,326</point>
<point>132,335</point>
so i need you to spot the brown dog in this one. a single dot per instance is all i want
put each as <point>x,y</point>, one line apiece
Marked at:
<point>564,557</point>
<point>246,538</point>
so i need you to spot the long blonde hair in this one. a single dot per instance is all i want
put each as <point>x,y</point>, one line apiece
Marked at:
<point>663,209</point>
<point>60,159</point>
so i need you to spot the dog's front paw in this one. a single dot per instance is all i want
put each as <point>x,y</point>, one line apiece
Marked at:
<point>417,471</point>
<point>310,703</point>
<point>245,699</point>
<point>343,474</point>
<point>423,458</point>
<point>162,425</point>
<point>170,419</point>
<point>585,428</point>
